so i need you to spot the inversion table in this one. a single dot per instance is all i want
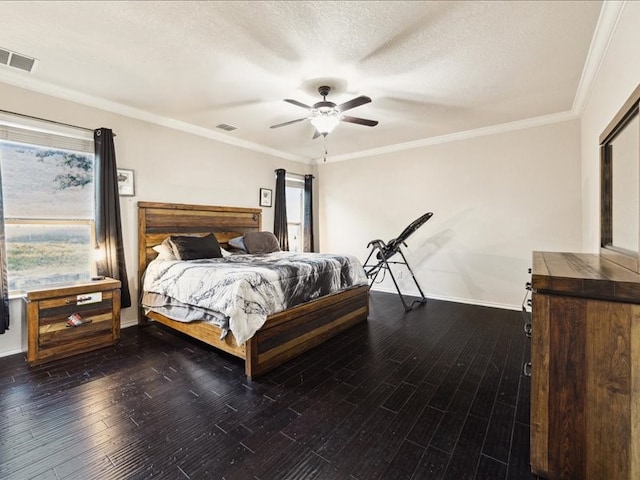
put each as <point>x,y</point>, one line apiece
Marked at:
<point>385,251</point>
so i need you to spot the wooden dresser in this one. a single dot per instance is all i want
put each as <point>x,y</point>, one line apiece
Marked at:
<point>585,368</point>
<point>95,303</point>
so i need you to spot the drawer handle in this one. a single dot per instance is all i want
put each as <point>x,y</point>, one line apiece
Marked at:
<point>526,369</point>
<point>526,317</point>
<point>84,299</point>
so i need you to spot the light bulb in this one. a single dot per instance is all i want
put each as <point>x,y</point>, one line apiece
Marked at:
<point>324,123</point>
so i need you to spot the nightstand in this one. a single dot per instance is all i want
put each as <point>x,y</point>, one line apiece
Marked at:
<point>97,308</point>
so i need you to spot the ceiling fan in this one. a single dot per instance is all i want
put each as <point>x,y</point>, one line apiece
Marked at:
<point>324,115</point>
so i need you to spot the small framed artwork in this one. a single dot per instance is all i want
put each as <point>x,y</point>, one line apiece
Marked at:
<point>265,197</point>
<point>125,182</point>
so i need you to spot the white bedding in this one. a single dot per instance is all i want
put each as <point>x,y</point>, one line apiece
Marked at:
<point>245,289</point>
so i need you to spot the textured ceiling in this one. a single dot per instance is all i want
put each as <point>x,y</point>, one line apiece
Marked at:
<point>431,68</point>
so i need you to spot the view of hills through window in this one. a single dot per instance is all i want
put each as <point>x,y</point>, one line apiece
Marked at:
<point>49,211</point>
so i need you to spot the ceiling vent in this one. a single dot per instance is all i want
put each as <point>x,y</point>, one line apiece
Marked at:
<point>15,60</point>
<point>226,127</point>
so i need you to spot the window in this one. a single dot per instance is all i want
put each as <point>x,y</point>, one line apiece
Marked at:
<point>294,187</point>
<point>48,191</point>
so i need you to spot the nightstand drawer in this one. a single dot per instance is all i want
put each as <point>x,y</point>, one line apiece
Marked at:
<point>55,330</point>
<point>76,301</point>
<point>94,306</point>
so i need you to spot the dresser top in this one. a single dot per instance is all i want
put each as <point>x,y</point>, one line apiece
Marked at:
<point>584,275</point>
<point>72,289</point>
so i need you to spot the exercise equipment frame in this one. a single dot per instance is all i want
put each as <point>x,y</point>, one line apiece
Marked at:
<point>385,251</point>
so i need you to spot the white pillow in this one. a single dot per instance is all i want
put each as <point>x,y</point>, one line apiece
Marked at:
<point>238,243</point>
<point>225,253</point>
<point>165,252</point>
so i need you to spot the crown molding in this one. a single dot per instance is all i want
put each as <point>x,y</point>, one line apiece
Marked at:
<point>458,136</point>
<point>602,35</point>
<point>605,28</point>
<point>28,83</point>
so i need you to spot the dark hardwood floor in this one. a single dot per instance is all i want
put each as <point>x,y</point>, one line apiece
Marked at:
<point>436,393</point>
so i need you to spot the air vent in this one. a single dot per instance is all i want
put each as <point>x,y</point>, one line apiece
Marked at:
<point>226,127</point>
<point>16,60</point>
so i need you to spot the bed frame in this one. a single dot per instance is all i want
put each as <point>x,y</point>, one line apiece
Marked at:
<point>284,335</point>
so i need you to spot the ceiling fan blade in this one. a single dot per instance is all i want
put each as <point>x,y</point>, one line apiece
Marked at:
<point>288,123</point>
<point>360,121</point>
<point>297,103</point>
<point>353,103</point>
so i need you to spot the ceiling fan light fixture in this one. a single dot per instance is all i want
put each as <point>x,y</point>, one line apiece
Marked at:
<point>325,115</point>
<point>324,123</point>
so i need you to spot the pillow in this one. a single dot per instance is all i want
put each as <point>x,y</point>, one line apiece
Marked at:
<point>261,242</point>
<point>194,248</point>
<point>164,250</point>
<point>237,243</point>
<point>225,253</point>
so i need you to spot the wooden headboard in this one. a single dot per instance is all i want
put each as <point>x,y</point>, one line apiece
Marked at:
<point>156,221</point>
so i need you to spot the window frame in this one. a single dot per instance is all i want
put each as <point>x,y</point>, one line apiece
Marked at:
<point>39,133</point>
<point>293,180</point>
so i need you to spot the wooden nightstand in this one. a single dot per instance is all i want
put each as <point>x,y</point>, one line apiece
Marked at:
<point>48,310</point>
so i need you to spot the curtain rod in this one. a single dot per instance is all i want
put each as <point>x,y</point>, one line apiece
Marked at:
<point>50,121</point>
<point>294,173</point>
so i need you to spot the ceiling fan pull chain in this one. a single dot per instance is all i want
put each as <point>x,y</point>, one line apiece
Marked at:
<point>325,148</point>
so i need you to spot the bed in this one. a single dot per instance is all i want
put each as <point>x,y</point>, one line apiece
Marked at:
<point>284,335</point>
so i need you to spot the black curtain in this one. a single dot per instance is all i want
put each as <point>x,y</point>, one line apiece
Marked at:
<point>307,224</point>
<point>280,212</point>
<point>108,225</point>
<point>4,291</point>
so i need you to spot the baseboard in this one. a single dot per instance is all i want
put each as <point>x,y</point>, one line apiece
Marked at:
<point>467,301</point>
<point>11,352</point>
<point>127,324</point>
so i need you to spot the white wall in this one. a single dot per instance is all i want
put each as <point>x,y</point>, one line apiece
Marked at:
<point>618,76</point>
<point>169,166</point>
<point>495,199</point>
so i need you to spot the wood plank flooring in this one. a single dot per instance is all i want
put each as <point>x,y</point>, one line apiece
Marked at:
<point>436,393</point>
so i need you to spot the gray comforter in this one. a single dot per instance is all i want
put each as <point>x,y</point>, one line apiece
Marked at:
<point>242,290</point>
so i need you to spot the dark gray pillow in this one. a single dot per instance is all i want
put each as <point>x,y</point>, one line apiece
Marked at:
<point>261,242</point>
<point>195,248</point>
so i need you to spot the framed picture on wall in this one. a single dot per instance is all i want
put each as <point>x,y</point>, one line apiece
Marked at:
<point>125,182</point>
<point>266,197</point>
